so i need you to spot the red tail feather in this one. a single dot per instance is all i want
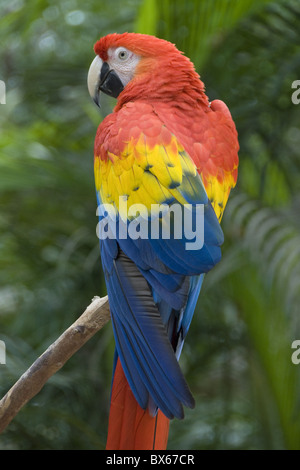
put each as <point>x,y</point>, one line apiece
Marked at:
<point>130,427</point>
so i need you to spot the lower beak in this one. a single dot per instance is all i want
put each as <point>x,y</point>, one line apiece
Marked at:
<point>102,78</point>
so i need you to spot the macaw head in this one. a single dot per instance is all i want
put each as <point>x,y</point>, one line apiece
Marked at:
<point>143,65</point>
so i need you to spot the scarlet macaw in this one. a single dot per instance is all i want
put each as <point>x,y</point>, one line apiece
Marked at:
<point>165,143</point>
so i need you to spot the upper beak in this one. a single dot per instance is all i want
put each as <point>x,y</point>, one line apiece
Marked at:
<point>102,78</point>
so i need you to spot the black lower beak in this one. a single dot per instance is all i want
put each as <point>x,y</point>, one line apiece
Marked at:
<point>110,83</point>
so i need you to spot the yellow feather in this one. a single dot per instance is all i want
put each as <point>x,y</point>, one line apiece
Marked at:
<point>157,191</point>
<point>188,166</point>
<point>145,174</point>
<point>218,193</point>
<point>117,166</point>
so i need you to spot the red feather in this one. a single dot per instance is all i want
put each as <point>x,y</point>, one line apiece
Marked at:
<point>130,427</point>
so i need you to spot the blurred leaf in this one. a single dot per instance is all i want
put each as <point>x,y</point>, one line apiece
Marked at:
<point>196,27</point>
<point>147,18</point>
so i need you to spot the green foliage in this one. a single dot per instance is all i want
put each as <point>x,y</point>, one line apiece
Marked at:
<point>237,357</point>
<point>194,26</point>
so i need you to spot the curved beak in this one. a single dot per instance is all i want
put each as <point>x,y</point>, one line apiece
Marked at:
<point>102,78</point>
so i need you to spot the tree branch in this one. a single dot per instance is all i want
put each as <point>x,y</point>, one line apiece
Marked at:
<point>32,381</point>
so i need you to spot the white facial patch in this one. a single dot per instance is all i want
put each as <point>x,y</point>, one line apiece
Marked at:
<point>124,62</point>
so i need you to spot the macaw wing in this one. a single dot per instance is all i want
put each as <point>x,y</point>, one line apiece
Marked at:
<point>152,282</point>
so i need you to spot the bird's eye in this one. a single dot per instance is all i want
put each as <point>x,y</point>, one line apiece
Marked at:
<point>123,54</point>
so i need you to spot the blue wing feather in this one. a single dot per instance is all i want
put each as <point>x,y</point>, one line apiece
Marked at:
<point>153,286</point>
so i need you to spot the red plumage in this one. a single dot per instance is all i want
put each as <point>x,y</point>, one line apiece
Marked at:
<point>130,427</point>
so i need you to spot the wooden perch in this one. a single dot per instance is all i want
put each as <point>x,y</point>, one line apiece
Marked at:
<point>32,381</point>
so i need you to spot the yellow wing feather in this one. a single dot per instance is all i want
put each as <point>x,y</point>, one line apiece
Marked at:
<point>147,174</point>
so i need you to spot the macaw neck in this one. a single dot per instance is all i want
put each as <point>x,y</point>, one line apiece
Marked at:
<point>180,88</point>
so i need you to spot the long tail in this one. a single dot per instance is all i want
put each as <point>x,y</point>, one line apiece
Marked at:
<point>130,427</point>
